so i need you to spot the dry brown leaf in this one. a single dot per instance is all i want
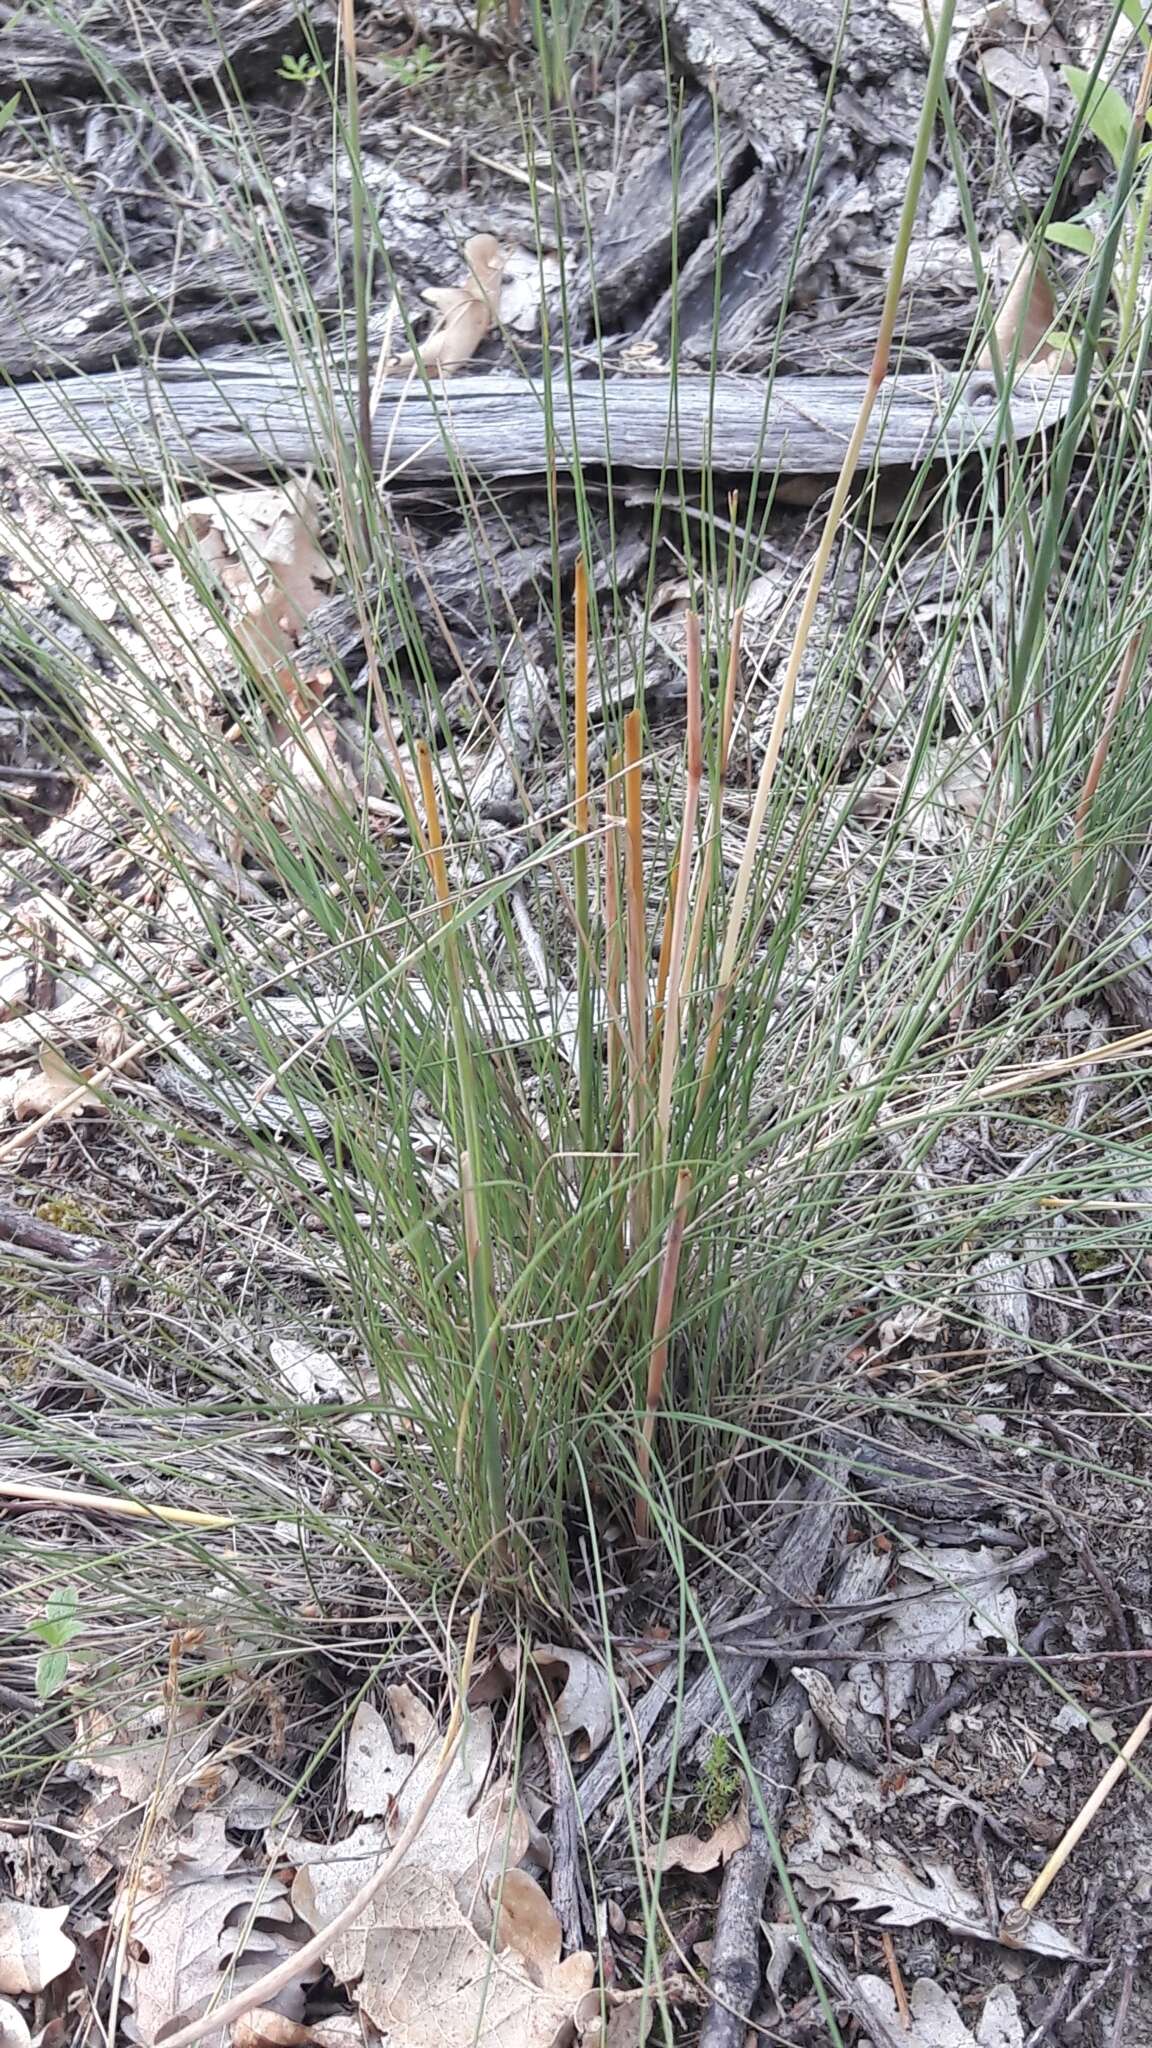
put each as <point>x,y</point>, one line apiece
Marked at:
<point>630,2020</point>
<point>262,548</point>
<point>33,1945</point>
<point>430,1981</point>
<point>697,1853</point>
<point>469,1831</point>
<point>14,2032</point>
<point>201,1928</point>
<point>527,1922</point>
<point>160,1768</point>
<point>50,1087</point>
<point>1025,317</point>
<point>465,313</point>
<point>264,2028</point>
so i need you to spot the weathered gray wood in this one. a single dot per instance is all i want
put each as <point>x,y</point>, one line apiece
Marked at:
<point>100,56</point>
<point>766,60</point>
<point>667,201</point>
<point>85,326</point>
<point>249,415</point>
<point>47,220</point>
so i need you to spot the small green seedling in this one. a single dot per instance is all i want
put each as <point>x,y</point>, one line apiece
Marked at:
<point>298,70</point>
<point>56,1629</point>
<point>418,68</point>
<point>8,111</point>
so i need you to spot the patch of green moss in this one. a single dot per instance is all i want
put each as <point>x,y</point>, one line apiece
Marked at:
<point>63,1213</point>
<point>720,1782</point>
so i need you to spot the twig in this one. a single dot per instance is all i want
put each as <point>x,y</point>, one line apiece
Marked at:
<point>896,1981</point>
<point>1060,2002</point>
<point>112,1504</point>
<point>18,1227</point>
<point>1091,1807</point>
<point>565,1875</point>
<point>735,1976</point>
<point>1119,2032</point>
<point>266,1988</point>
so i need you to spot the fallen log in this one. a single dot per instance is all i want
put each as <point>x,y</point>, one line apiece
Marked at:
<point>248,414</point>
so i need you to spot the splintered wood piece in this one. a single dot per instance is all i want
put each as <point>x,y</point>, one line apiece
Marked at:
<point>250,414</point>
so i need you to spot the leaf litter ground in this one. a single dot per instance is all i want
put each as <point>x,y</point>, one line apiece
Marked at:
<point>232,1800</point>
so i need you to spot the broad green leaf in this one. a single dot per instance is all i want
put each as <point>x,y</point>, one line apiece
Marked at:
<point>61,1603</point>
<point>51,1672</point>
<point>8,110</point>
<point>58,1624</point>
<point>1071,234</point>
<point>1105,110</point>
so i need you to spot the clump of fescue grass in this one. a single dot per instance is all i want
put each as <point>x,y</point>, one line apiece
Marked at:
<point>589,1271</point>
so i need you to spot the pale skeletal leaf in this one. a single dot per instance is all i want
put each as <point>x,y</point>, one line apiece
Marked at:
<point>581,1696</point>
<point>14,2032</point>
<point>949,1602</point>
<point>935,2021</point>
<point>34,1948</point>
<point>887,1885</point>
<point>153,1760</point>
<point>429,1981</point>
<point>468,1832</point>
<point>261,547</point>
<point>1000,2023</point>
<point>201,1926</point>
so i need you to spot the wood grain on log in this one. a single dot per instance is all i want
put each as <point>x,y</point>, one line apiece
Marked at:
<point>250,413</point>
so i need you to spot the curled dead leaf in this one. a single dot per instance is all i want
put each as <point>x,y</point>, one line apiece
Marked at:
<point>53,1089</point>
<point>261,548</point>
<point>266,2028</point>
<point>699,1853</point>
<point>465,313</point>
<point>1026,315</point>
